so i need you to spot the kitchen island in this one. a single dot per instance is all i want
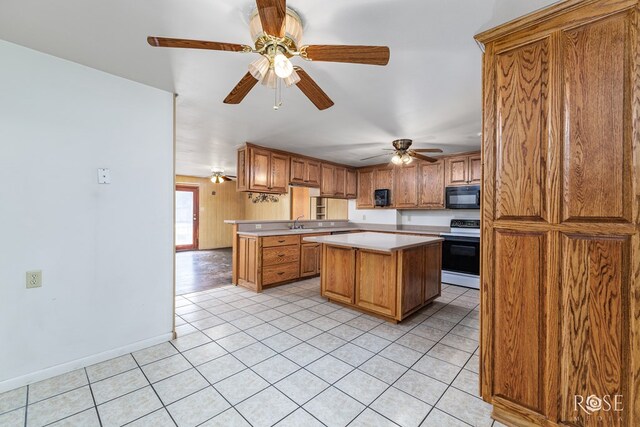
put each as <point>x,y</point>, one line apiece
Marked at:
<point>388,275</point>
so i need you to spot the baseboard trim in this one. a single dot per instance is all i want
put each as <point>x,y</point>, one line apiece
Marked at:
<point>63,368</point>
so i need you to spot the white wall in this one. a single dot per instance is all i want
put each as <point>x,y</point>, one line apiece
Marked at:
<point>105,250</point>
<point>409,217</point>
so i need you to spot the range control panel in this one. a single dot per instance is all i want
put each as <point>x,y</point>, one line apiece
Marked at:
<point>465,223</point>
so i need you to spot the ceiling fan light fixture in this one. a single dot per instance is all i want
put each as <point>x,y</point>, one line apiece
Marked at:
<point>396,159</point>
<point>282,66</point>
<point>270,78</point>
<point>259,67</point>
<point>293,79</point>
<point>406,159</point>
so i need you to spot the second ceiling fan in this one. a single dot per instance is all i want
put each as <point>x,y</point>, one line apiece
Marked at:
<point>276,31</point>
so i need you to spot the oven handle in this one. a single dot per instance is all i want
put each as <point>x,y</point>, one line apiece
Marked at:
<point>461,238</point>
<point>478,199</point>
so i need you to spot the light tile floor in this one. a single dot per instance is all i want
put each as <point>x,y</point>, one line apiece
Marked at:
<point>285,357</point>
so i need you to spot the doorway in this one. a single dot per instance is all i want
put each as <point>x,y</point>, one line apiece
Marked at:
<point>187,209</point>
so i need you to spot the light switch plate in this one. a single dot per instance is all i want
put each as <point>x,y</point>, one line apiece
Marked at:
<point>104,176</point>
<point>258,226</point>
<point>34,279</point>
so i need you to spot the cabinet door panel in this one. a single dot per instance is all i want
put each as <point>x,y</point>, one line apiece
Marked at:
<point>313,173</point>
<point>309,259</point>
<point>523,107</point>
<point>298,169</point>
<point>431,177</point>
<point>413,276</point>
<point>365,189</point>
<point>241,180</point>
<point>597,139</point>
<point>406,186</point>
<point>595,295</point>
<point>475,169</point>
<point>260,172</point>
<point>376,282</point>
<point>338,273</point>
<point>327,185</point>
<point>456,170</point>
<point>242,258</point>
<point>279,173</point>
<point>351,190</point>
<point>518,324</point>
<point>340,177</point>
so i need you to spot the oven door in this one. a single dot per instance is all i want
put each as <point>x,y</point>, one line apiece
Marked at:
<point>466,197</point>
<point>461,254</point>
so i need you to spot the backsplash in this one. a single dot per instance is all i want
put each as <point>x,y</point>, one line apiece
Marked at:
<point>409,217</point>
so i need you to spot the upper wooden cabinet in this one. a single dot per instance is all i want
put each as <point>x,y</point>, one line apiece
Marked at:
<point>304,172</point>
<point>431,185</point>
<point>463,170</point>
<point>351,190</point>
<point>560,241</point>
<point>405,191</point>
<point>383,180</point>
<point>262,171</point>
<point>327,180</point>
<point>364,199</point>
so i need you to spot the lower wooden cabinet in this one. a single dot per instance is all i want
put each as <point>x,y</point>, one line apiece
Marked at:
<point>376,282</point>
<point>247,265</point>
<point>339,278</point>
<point>309,259</point>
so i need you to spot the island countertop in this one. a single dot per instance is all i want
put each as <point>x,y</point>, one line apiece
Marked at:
<point>374,241</point>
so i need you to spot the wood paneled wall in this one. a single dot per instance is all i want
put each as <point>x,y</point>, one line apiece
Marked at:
<point>560,294</point>
<point>227,203</point>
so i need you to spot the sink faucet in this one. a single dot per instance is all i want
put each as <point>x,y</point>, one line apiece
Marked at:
<point>299,226</point>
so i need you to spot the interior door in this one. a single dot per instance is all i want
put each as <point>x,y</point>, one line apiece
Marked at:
<point>186,218</point>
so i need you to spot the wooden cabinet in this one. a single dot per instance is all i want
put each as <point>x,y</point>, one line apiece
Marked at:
<point>327,181</point>
<point>338,279</point>
<point>463,170</point>
<point>560,216</point>
<point>247,261</point>
<point>383,179</point>
<point>339,181</point>
<point>431,185</point>
<point>364,199</point>
<point>376,285</point>
<point>351,190</point>
<point>262,171</point>
<point>405,186</point>
<point>310,259</point>
<point>304,172</point>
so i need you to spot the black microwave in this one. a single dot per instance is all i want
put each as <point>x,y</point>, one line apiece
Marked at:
<point>464,197</point>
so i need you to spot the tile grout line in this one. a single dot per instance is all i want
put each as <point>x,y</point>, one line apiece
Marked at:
<point>154,390</point>
<point>95,404</point>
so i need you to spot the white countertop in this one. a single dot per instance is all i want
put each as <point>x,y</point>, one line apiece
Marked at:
<point>374,241</point>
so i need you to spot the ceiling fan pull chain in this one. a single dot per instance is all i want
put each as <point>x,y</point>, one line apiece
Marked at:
<point>278,94</point>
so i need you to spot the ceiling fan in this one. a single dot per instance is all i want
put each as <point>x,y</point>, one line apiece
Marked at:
<point>276,31</point>
<point>218,177</point>
<point>402,154</point>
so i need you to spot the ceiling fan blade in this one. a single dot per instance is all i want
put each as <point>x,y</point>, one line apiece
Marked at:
<point>373,157</point>
<point>272,15</point>
<point>310,88</point>
<point>241,90</point>
<point>428,150</point>
<point>195,44</point>
<point>413,153</point>
<point>225,178</point>
<point>372,55</point>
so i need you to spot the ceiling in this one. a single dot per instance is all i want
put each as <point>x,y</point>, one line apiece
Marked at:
<point>430,91</point>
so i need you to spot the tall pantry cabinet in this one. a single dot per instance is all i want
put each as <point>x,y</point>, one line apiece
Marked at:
<point>560,297</point>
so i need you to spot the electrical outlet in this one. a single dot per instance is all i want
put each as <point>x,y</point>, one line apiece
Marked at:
<point>319,224</point>
<point>333,223</point>
<point>258,226</point>
<point>104,176</point>
<point>364,217</point>
<point>34,279</point>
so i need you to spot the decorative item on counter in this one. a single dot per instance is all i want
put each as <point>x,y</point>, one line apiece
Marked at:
<point>264,198</point>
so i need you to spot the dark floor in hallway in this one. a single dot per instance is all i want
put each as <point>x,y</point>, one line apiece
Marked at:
<point>200,270</point>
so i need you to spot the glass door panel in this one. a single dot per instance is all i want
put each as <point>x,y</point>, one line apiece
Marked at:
<point>186,218</point>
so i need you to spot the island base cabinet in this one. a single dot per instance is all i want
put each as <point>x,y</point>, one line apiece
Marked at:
<point>338,273</point>
<point>391,285</point>
<point>247,263</point>
<point>376,281</point>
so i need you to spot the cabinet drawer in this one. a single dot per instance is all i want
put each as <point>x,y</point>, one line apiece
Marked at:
<point>280,273</point>
<point>280,255</point>
<point>280,241</point>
